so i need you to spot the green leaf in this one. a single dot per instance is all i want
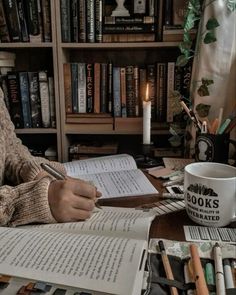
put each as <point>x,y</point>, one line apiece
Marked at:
<point>207,82</point>
<point>195,6</point>
<point>185,47</point>
<point>189,21</point>
<point>181,61</point>
<point>203,110</point>
<point>209,38</point>
<point>212,24</point>
<point>231,4</point>
<point>203,90</point>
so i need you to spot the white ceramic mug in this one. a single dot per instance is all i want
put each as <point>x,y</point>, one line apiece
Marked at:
<point>210,193</point>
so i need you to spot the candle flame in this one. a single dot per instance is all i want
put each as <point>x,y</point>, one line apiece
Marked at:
<point>147,93</point>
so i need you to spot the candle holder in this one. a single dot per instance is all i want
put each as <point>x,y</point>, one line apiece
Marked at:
<point>145,160</point>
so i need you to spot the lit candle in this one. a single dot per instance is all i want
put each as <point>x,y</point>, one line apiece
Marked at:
<point>147,118</point>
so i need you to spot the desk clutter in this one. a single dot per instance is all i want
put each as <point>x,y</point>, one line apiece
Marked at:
<point>200,268</point>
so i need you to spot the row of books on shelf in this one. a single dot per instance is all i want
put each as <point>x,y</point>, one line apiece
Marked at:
<point>30,99</point>
<point>105,88</point>
<point>139,21</point>
<point>25,21</point>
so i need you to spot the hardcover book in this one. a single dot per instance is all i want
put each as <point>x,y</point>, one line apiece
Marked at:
<point>90,86</point>
<point>33,10</point>
<point>46,20</point>
<point>116,92</point>
<point>90,24</point>
<point>25,99</point>
<point>14,99</point>
<point>74,87</point>
<point>35,103</point>
<point>4,32</point>
<point>130,95</point>
<point>23,21</point>
<point>65,20</point>
<point>82,21</point>
<point>82,95</point>
<point>44,98</point>
<point>67,87</point>
<point>13,20</point>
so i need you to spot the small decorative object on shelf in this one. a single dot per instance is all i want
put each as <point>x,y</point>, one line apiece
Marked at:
<point>120,10</point>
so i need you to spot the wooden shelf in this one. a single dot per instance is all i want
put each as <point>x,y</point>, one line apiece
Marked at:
<point>26,45</point>
<point>36,131</point>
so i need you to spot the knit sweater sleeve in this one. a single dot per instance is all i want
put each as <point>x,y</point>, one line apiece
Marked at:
<point>20,165</point>
<point>25,203</point>
<point>26,200</point>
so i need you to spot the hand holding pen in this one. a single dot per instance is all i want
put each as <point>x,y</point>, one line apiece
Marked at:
<point>70,199</point>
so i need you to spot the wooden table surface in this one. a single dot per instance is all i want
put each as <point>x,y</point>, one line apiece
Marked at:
<point>169,226</point>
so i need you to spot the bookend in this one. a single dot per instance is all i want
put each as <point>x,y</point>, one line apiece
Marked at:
<point>158,283</point>
<point>145,160</point>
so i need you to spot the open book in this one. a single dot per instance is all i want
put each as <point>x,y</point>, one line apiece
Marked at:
<point>114,176</point>
<point>105,254</point>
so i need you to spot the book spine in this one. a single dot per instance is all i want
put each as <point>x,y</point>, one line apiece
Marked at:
<point>139,6</point>
<point>178,79</point>
<point>44,98</point>
<point>65,21</point>
<point>97,87</point>
<point>151,80</point>
<point>67,87</point>
<point>139,37</point>
<point>110,87</point>
<point>121,20</point>
<point>74,87</point>
<point>151,7</point>
<point>98,21</point>
<point>33,9</point>
<point>46,20</point>
<point>136,90</point>
<point>14,99</point>
<point>104,88</point>
<point>25,99</point>
<point>178,11</point>
<point>123,92</point>
<point>4,32</point>
<point>186,79</point>
<point>82,97</point>
<point>129,29</point>
<point>82,21</point>
<point>130,97</point>
<point>161,92</point>
<point>170,89</point>
<point>52,102</point>
<point>159,12</point>
<point>90,87</point>
<point>35,100</point>
<point>90,21</point>
<point>142,86</point>
<point>116,92</point>
<point>75,24</point>
<point>13,20</point>
<point>23,23</point>
<point>168,12</point>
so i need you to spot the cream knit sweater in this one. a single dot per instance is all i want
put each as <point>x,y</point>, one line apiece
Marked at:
<point>27,200</point>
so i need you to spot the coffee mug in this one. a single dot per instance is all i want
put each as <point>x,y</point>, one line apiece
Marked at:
<point>210,193</point>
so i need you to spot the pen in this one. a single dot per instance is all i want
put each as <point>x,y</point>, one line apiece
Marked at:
<point>224,126</point>
<point>229,282</point>
<point>233,269</point>
<point>188,279</point>
<point>219,274</point>
<point>58,175</point>
<point>52,171</point>
<point>214,126</point>
<point>199,278</point>
<point>220,119</point>
<point>231,125</point>
<point>204,127</point>
<point>173,196</point>
<point>167,267</point>
<point>210,275</point>
<point>191,114</point>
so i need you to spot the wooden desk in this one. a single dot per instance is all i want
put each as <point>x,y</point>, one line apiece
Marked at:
<point>169,226</point>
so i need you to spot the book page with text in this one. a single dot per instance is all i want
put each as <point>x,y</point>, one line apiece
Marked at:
<point>100,164</point>
<point>110,221</point>
<point>106,264</point>
<point>121,183</point>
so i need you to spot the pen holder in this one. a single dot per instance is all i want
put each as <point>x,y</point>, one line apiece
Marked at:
<point>212,148</point>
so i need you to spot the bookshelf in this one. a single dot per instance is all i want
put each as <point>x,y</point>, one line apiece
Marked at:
<point>36,56</point>
<point>121,129</point>
<point>52,55</point>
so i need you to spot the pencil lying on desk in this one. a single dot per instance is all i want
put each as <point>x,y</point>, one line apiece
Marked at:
<point>167,267</point>
<point>199,278</point>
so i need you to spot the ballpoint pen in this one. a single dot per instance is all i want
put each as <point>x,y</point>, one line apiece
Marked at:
<point>58,175</point>
<point>219,272</point>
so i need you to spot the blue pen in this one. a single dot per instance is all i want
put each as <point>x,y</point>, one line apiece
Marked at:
<point>223,127</point>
